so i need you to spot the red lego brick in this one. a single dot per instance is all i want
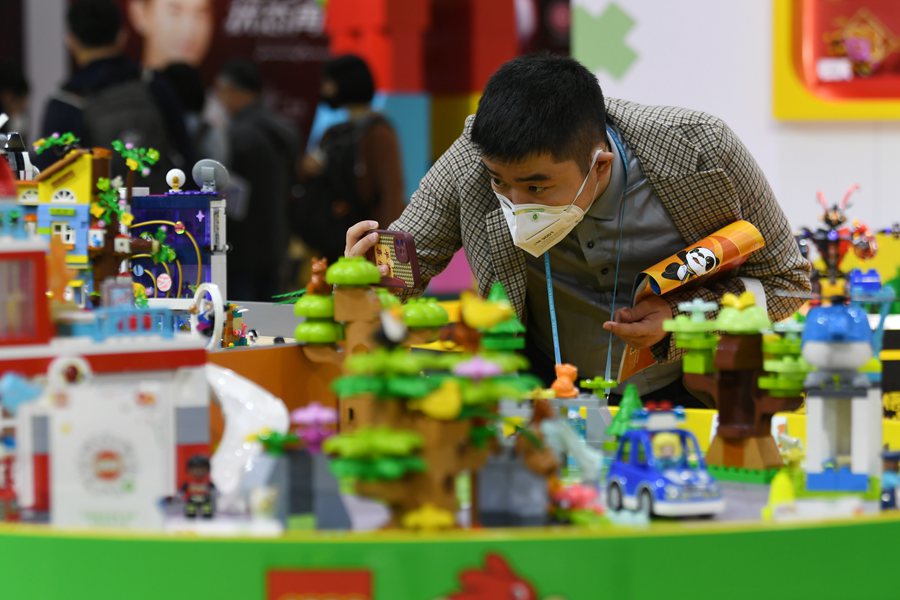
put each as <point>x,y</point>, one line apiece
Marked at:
<point>41,467</point>
<point>377,16</point>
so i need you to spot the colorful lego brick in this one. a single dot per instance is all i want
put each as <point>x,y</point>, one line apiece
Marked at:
<point>409,114</point>
<point>448,117</point>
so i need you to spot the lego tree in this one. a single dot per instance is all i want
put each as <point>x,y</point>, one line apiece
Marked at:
<point>136,158</point>
<point>316,306</point>
<point>413,421</point>
<point>629,405</point>
<point>506,335</point>
<point>731,378</point>
<point>59,143</point>
<point>784,366</point>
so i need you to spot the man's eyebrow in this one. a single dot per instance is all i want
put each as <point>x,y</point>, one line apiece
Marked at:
<point>526,179</point>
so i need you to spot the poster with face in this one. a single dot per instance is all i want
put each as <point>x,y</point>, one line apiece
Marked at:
<point>285,38</point>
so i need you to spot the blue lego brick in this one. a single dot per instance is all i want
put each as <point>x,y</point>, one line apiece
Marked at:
<point>192,425</point>
<point>410,114</point>
<point>40,435</point>
<point>837,481</point>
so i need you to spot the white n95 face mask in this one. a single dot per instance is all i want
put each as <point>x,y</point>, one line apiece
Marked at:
<point>535,228</point>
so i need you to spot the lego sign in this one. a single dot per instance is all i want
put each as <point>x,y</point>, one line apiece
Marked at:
<point>319,585</point>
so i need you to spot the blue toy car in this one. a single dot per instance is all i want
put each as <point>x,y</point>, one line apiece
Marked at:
<point>662,473</point>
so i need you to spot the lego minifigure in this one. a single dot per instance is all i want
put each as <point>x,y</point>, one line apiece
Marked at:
<point>198,492</point>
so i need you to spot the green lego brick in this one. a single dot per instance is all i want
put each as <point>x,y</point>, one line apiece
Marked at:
<point>742,475</point>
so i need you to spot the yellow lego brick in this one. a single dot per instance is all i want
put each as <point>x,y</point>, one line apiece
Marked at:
<point>448,117</point>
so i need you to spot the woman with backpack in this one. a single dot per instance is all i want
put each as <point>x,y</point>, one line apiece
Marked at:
<point>356,172</point>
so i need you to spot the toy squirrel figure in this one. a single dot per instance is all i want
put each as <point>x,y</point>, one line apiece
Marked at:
<point>317,285</point>
<point>564,385</point>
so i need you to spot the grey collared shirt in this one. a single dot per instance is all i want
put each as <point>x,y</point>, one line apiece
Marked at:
<point>583,267</point>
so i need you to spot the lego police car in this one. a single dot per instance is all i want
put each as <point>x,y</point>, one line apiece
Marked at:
<point>658,470</point>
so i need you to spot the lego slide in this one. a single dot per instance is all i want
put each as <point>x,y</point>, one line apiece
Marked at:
<point>248,409</point>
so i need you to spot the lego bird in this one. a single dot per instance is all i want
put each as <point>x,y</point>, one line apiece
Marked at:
<point>483,314</point>
<point>443,403</point>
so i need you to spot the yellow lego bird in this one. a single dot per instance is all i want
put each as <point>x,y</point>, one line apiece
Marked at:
<point>443,403</point>
<point>483,314</point>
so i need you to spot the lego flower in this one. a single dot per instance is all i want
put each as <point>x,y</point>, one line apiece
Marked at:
<point>126,219</point>
<point>131,164</point>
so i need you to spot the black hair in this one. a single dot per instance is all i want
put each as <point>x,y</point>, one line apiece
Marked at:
<point>187,84</point>
<point>242,73</point>
<point>353,79</point>
<point>198,461</point>
<point>12,79</point>
<point>541,103</point>
<point>94,23</point>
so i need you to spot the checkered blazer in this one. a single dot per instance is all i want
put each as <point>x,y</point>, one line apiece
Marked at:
<point>699,169</point>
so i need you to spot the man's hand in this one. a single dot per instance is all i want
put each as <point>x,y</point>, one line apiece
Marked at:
<point>359,241</point>
<point>641,325</point>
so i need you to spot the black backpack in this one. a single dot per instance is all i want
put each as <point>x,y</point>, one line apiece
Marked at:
<point>330,203</point>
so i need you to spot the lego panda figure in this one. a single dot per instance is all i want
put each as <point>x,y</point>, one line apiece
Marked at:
<point>694,262</point>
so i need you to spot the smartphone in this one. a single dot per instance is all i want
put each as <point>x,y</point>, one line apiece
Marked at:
<point>397,250</point>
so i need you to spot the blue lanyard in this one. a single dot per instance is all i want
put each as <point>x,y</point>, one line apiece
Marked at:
<point>554,328</point>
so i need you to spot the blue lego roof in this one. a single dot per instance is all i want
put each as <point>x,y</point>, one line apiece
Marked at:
<point>839,323</point>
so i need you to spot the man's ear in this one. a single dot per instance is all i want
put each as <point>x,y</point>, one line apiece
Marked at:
<point>603,160</point>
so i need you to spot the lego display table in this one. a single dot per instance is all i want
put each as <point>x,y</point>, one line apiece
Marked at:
<point>697,561</point>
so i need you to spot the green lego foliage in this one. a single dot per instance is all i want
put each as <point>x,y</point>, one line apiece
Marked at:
<point>742,475</point>
<point>354,271</point>
<point>599,383</point>
<point>136,158</point>
<point>387,299</point>
<point>424,313</point>
<point>164,253</point>
<point>382,468</point>
<point>356,385</point>
<point>318,332</point>
<point>275,443</point>
<point>64,142</point>
<point>314,307</point>
<point>752,319</point>
<point>630,404</point>
<point>108,199</point>
<point>373,441</point>
<point>411,386</point>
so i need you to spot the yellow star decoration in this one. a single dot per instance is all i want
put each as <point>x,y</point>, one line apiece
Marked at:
<point>126,219</point>
<point>97,210</point>
<point>745,300</point>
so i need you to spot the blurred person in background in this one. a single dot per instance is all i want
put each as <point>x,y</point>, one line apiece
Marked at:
<point>263,153</point>
<point>14,90</point>
<point>172,30</point>
<point>209,140</point>
<point>356,170</point>
<point>109,97</point>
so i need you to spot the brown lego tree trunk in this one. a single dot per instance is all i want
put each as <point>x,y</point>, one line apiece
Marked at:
<point>447,452</point>
<point>743,438</point>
